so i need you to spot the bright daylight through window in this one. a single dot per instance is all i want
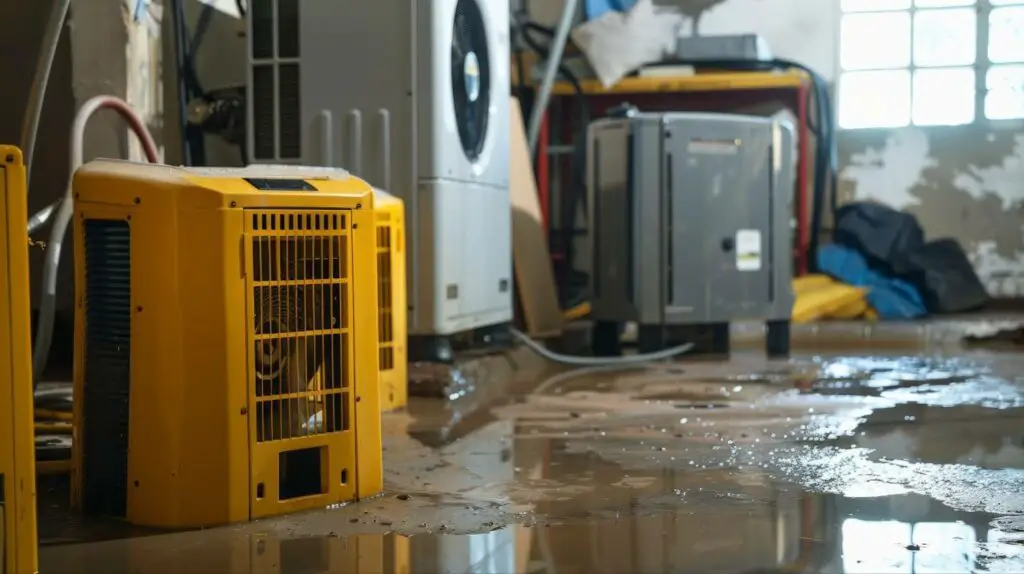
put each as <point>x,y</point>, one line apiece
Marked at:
<point>930,62</point>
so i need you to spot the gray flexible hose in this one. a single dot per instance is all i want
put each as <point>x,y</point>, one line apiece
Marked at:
<point>42,216</point>
<point>30,124</point>
<point>48,295</point>
<point>51,263</point>
<point>599,361</point>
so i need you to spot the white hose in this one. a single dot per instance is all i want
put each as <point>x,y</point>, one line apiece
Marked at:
<point>51,263</point>
<point>30,125</point>
<point>624,361</point>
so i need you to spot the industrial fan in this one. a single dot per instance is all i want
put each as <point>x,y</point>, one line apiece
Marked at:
<point>296,366</point>
<point>226,342</point>
<point>471,77</point>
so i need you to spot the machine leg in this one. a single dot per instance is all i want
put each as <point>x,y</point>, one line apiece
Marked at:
<point>720,339</point>
<point>776,339</point>
<point>431,349</point>
<point>605,339</point>
<point>650,338</point>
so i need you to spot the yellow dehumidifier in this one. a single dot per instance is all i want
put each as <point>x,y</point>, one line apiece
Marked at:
<point>392,317</point>
<point>226,354</point>
<point>18,553</point>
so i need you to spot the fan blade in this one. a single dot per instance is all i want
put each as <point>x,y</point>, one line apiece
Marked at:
<point>461,32</point>
<point>471,122</point>
<point>457,54</point>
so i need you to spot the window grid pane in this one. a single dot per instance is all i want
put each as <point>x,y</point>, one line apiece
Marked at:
<point>875,40</point>
<point>945,37</point>
<point>1006,34</point>
<point>874,99</point>
<point>873,5</point>
<point>1004,99</point>
<point>943,97</point>
<point>943,3</point>
<point>879,86</point>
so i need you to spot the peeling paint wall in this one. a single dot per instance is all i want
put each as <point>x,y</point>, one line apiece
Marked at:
<point>965,182</point>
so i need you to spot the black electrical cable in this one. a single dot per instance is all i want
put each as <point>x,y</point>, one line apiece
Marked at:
<point>189,88</point>
<point>181,59</point>
<point>242,7</point>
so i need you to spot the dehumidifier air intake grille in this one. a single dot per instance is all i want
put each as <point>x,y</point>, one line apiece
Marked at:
<point>385,300</point>
<point>471,76</point>
<point>301,322</point>
<point>107,363</point>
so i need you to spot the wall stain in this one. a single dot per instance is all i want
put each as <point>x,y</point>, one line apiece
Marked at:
<point>965,182</point>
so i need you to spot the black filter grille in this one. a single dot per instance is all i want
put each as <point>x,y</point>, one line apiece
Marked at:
<point>264,107</point>
<point>107,358</point>
<point>471,77</point>
<point>261,14</point>
<point>288,38</point>
<point>290,121</point>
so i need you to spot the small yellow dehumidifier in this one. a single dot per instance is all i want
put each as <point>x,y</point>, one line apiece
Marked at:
<point>391,320</point>
<point>226,354</point>
<point>18,553</point>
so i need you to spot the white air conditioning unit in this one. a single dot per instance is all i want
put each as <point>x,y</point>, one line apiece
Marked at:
<point>412,96</point>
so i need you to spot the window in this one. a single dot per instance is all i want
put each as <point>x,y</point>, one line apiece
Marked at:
<point>930,62</point>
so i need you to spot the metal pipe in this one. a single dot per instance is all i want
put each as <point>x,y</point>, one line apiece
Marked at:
<point>48,288</point>
<point>44,64</point>
<point>540,104</point>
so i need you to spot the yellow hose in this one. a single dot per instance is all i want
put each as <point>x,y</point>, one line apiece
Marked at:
<point>578,312</point>
<point>53,415</point>
<point>53,428</point>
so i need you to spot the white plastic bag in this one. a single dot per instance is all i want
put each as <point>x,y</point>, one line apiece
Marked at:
<point>618,43</point>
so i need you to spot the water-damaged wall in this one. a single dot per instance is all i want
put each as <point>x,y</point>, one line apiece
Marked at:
<point>965,182</point>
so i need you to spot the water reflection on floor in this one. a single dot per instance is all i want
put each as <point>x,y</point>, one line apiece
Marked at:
<point>841,464</point>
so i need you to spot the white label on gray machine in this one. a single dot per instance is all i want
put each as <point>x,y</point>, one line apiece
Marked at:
<point>748,250</point>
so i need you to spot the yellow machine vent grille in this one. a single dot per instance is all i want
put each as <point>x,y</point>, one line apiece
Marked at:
<point>385,317</point>
<point>299,264</point>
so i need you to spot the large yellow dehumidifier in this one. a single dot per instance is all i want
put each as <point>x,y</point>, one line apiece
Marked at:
<point>226,355</point>
<point>392,317</point>
<point>18,553</point>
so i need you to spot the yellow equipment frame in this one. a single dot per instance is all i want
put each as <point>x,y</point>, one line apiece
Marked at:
<point>18,535</point>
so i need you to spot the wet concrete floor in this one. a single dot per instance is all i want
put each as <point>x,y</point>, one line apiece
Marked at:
<point>824,463</point>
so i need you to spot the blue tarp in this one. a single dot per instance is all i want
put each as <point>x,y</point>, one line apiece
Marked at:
<point>890,298</point>
<point>595,8</point>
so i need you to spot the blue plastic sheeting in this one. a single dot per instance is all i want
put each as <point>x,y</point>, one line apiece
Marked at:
<point>595,8</point>
<point>890,298</point>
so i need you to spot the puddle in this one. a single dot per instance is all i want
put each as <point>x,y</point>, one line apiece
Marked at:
<point>870,464</point>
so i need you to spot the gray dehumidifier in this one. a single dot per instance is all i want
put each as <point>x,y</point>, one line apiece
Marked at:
<point>690,228</point>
